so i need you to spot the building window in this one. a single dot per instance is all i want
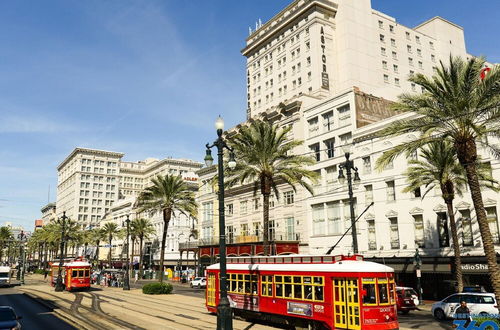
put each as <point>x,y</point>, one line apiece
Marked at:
<point>290,229</point>
<point>318,218</point>
<point>344,113</point>
<point>315,151</point>
<point>418,220</point>
<point>466,224</point>
<point>442,225</point>
<point>491,216</point>
<point>330,148</point>
<point>368,194</point>
<point>328,120</point>
<point>331,174</point>
<point>372,237</point>
<point>334,219</point>
<point>288,197</point>
<point>256,204</point>
<point>208,211</point>
<point>367,165</point>
<point>243,207</point>
<point>391,191</point>
<point>230,234</point>
<point>394,233</point>
<point>244,229</point>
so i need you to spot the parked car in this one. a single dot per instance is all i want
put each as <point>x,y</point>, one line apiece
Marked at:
<point>478,303</point>
<point>199,282</point>
<point>9,319</point>
<point>406,299</point>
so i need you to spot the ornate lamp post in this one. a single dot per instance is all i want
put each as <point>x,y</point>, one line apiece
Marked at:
<point>126,280</point>
<point>20,273</point>
<point>224,314</point>
<point>348,165</point>
<point>59,283</point>
<point>418,263</point>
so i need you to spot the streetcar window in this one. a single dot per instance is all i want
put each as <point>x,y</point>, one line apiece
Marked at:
<point>267,286</point>
<point>369,293</point>
<point>279,290</point>
<point>297,291</point>
<point>382,293</point>
<point>318,293</point>
<point>288,291</point>
<point>74,273</point>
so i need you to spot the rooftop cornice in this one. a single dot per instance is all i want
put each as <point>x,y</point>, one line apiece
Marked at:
<point>92,152</point>
<point>296,8</point>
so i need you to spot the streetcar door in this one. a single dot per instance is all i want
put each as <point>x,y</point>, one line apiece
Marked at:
<point>346,303</point>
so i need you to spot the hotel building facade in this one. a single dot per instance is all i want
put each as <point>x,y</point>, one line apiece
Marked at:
<point>330,69</point>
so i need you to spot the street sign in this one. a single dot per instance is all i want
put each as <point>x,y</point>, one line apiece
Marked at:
<point>419,274</point>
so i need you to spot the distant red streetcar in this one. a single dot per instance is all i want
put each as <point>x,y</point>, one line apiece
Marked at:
<point>75,274</point>
<point>324,292</point>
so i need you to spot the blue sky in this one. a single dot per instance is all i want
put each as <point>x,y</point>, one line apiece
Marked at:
<point>147,78</point>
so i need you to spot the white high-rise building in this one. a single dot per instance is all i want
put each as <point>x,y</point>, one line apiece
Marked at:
<point>87,184</point>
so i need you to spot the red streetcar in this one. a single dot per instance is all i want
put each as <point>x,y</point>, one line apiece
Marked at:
<point>75,274</point>
<point>332,292</point>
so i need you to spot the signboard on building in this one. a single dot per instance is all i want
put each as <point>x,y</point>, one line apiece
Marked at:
<point>371,109</point>
<point>474,268</point>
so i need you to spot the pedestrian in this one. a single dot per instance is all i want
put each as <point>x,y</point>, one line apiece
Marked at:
<point>136,277</point>
<point>462,313</point>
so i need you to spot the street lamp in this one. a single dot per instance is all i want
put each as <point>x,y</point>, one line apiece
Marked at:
<point>418,263</point>
<point>59,283</point>
<point>224,313</point>
<point>126,282</point>
<point>348,165</point>
<point>20,273</point>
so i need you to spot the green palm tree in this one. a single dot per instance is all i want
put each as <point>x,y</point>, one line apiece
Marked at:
<point>5,236</point>
<point>167,194</point>
<point>458,105</point>
<point>265,158</point>
<point>110,230</point>
<point>439,167</point>
<point>142,229</point>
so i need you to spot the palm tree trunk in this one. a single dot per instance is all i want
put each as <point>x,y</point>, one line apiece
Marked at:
<point>167,213</point>
<point>265,188</point>
<point>456,247</point>
<point>488,246</point>
<point>141,238</point>
<point>109,257</point>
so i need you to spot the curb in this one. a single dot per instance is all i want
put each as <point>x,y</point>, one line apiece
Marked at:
<point>57,310</point>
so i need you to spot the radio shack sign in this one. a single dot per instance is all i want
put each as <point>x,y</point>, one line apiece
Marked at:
<point>474,268</point>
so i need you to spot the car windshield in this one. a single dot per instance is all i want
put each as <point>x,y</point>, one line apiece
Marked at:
<point>409,293</point>
<point>7,315</point>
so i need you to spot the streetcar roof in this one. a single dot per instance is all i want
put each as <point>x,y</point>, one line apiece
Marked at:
<point>345,266</point>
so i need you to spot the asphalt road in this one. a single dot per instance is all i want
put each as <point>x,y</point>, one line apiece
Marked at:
<point>35,315</point>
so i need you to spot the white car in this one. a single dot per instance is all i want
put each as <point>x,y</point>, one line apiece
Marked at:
<point>199,282</point>
<point>478,303</point>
